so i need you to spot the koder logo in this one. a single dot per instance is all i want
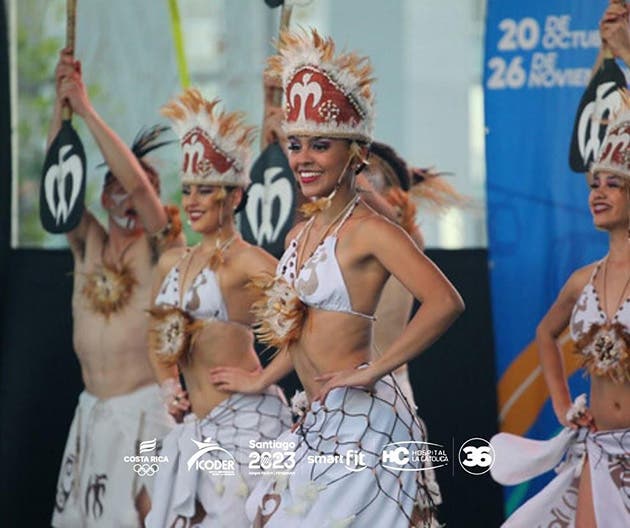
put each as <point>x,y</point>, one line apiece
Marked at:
<point>214,466</point>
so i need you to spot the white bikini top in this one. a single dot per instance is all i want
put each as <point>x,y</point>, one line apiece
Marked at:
<point>319,283</point>
<point>588,312</point>
<point>203,300</point>
<point>603,345</point>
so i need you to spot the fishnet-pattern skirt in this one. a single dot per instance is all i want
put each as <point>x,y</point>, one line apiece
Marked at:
<point>190,489</point>
<point>339,476</point>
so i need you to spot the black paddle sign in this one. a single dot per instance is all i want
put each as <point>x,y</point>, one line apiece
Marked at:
<point>270,210</point>
<point>598,105</point>
<point>62,191</point>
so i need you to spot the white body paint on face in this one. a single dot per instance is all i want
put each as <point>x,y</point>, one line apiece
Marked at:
<point>126,222</point>
<point>118,198</point>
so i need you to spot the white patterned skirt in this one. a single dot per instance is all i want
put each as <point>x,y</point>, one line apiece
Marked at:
<point>96,487</point>
<point>518,459</point>
<point>207,480</point>
<point>339,478</point>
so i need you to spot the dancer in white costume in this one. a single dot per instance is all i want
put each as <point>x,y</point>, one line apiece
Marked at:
<point>319,312</point>
<point>593,483</point>
<point>113,271</point>
<point>393,189</point>
<point>201,319</point>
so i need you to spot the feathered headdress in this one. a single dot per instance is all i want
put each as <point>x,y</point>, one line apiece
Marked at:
<point>614,155</point>
<point>146,140</point>
<point>404,187</point>
<point>425,184</point>
<point>325,94</point>
<point>216,145</point>
<point>431,189</point>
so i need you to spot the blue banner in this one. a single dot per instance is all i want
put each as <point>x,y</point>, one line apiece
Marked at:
<point>538,60</point>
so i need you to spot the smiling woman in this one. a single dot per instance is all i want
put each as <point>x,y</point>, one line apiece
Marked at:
<point>318,310</point>
<point>131,68</point>
<point>211,45</point>
<point>317,163</point>
<point>201,320</point>
<point>608,199</point>
<point>591,488</point>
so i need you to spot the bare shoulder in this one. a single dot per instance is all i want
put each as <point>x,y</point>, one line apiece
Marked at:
<point>373,226</point>
<point>88,232</point>
<point>558,316</point>
<point>294,232</point>
<point>578,279</point>
<point>170,258</point>
<point>254,259</point>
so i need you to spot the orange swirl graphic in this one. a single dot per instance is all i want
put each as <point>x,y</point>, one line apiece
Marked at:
<point>522,391</point>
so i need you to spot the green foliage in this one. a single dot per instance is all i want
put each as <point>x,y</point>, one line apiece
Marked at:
<point>37,51</point>
<point>40,37</point>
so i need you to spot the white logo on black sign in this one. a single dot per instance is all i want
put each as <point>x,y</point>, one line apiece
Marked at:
<point>69,167</point>
<point>261,197</point>
<point>590,136</point>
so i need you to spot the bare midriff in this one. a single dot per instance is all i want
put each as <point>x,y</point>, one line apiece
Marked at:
<point>217,344</point>
<point>330,342</point>
<point>112,350</point>
<point>610,403</point>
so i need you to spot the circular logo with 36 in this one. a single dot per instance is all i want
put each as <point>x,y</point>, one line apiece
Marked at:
<point>476,456</point>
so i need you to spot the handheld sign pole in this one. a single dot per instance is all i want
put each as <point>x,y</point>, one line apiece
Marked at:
<point>598,104</point>
<point>270,210</point>
<point>62,189</point>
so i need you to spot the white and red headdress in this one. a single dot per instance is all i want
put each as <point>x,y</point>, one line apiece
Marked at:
<point>216,146</point>
<point>324,95</point>
<point>614,154</point>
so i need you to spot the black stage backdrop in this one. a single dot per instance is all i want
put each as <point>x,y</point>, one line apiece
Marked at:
<point>40,379</point>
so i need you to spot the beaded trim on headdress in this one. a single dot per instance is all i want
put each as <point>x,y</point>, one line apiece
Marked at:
<point>325,95</point>
<point>216,146</point>
<point>614,155</point>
